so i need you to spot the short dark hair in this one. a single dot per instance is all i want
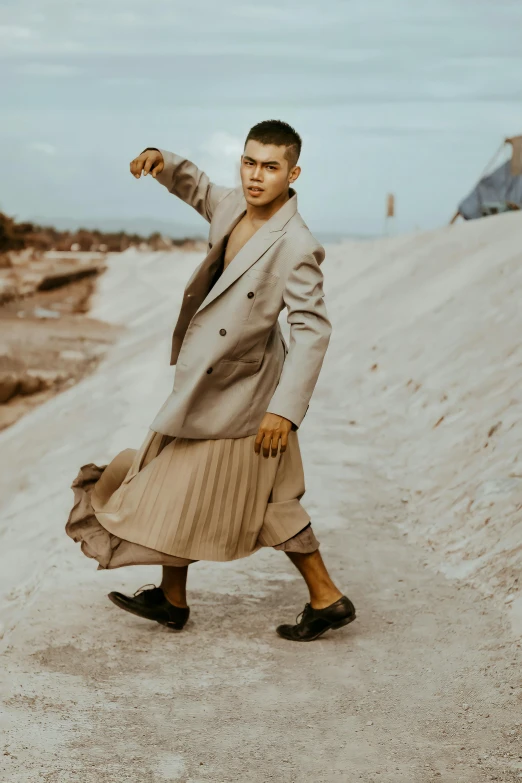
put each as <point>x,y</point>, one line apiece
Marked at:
<point>279,133</point>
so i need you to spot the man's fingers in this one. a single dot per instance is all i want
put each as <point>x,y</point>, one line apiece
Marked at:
<point>266,444</point>
<point>275,442</point>
<point>136,166</point>
<point>284,441</point>
<point>263,440</point>
<point>270,442</point>
<point>259,440</point>
<point>149,161</point>
<point>157,169</point>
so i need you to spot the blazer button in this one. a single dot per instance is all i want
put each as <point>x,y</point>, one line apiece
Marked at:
<point>222,332</point>
<point>250,294</point>
<point>209,370</point>
<point>210,245</point>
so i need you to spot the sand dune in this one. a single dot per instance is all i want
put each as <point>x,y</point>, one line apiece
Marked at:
<point>440,316</point>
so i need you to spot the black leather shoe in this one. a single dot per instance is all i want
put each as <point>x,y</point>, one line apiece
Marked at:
<point>312,623</point>
<point>152,605</point>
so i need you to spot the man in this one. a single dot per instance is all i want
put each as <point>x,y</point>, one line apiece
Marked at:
<point>220,473</point>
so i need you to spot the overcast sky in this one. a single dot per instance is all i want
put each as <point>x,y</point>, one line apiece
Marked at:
<point>409,96</point>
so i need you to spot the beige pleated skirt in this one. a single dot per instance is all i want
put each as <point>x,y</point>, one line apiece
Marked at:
<point>175,501</point>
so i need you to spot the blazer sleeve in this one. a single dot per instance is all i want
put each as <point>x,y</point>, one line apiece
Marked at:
<point>183,178</point>
<point>310,332</point>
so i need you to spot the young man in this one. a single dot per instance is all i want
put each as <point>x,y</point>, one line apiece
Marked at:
<point>220,473</point>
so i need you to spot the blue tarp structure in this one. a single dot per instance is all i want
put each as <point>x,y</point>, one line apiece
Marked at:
<point>499,191</point>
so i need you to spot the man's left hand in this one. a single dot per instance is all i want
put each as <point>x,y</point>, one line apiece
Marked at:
<point>273,429</point>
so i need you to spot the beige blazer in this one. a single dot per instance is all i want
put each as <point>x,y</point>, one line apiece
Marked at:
<point>232,363</point>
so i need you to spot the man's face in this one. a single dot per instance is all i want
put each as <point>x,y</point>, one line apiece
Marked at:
<point>265,172</point>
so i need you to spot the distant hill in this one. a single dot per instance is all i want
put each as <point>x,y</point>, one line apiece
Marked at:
<point>137,225</point>
<point>20,236</point>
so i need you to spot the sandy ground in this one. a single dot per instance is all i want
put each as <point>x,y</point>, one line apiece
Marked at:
<point>425,686</point>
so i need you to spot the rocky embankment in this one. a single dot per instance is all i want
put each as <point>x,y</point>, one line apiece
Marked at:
<point>47,343</point>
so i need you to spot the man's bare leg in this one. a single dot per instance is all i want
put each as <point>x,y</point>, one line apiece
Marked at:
<point>323,591</point>
<point>328,607</point>
<point>174,585</point>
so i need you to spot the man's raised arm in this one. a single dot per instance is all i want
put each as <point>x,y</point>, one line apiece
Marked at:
<point>181,177</point>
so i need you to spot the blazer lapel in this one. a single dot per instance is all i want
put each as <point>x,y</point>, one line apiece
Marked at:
<point>198,284</point>
<point>252,250</point>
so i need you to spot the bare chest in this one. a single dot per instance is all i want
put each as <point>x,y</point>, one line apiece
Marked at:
<point>238,239</point>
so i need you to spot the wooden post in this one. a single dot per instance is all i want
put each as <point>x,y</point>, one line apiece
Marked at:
<point>390,211</point>
<point>454,218</point>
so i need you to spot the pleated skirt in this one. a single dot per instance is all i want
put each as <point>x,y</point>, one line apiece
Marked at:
<point>177,500</point>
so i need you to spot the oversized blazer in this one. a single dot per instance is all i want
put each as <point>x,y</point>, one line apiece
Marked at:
<point>232,363</point>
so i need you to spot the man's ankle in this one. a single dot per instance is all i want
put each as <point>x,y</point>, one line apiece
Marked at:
<point>325,599</point>
<point>175,600</point>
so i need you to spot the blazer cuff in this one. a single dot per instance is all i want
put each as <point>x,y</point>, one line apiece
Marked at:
<point>291,411</point>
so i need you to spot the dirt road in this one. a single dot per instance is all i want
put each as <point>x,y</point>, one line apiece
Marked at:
<point>424,686</point>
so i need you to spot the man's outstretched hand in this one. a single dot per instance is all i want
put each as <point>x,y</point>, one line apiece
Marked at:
<point>273,430</point>
<point>149,162</point>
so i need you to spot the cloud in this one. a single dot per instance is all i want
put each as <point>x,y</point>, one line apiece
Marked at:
<point>222,151</point>
<point>12,34</point>
<point>116,19</point>
<point>48,69</point>
<point>43,147</point>
<point>224,144</point>
<point>15,31</point>
<point>127,80</point>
